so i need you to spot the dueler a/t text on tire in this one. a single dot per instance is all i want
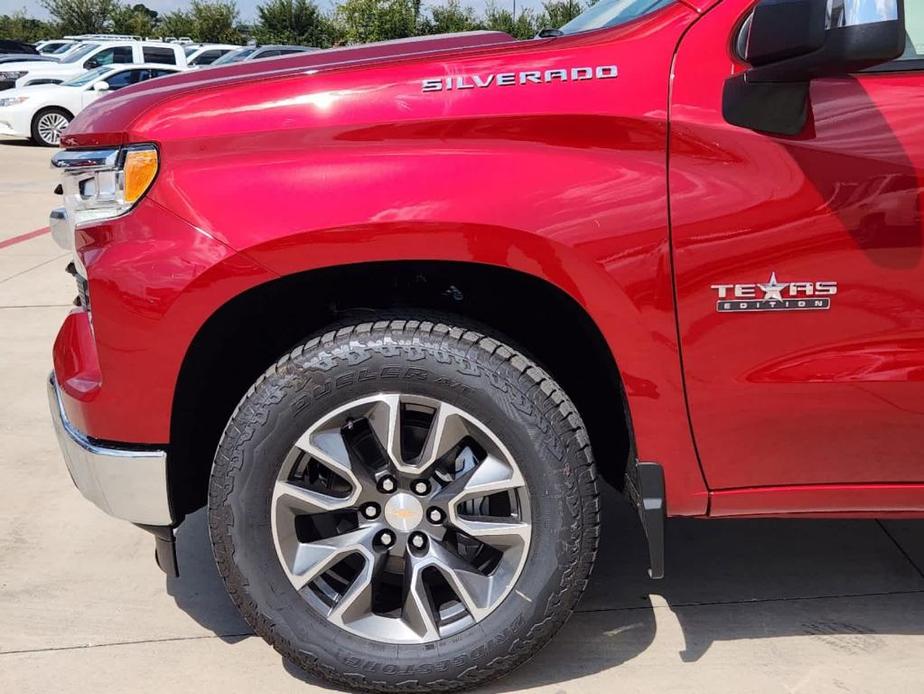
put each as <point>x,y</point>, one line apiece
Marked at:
<point>405,506</point>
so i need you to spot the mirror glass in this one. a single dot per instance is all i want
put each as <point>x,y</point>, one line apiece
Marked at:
<point>848,13</point>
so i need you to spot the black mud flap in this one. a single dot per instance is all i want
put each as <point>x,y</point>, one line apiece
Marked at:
<point>645,489</point>
<point>164,548</point>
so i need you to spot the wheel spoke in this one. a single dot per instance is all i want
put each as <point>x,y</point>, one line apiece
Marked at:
<point>384,418</point>
<point>417,612</point>
<point>447,429</point>
<point>472,587</point>
<point>356,602</point>
<point>492,475</point>
<point>307,501</point>
<point>314,558</point>
<point>499,533</point>
<point>328,448</point>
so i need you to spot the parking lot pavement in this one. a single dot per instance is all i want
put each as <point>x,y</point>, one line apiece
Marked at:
<point>748,606</point>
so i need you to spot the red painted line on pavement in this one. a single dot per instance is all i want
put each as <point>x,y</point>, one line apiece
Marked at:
<point>24,237</point>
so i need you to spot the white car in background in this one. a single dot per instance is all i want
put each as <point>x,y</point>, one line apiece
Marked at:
<point>42,112</point>
<point>86,56</point>
<point>55,47</point>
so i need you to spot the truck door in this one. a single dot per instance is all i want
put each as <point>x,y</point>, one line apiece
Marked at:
<point>799,271</point>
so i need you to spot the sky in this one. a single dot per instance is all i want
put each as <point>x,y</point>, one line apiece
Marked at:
<point>247,7</point>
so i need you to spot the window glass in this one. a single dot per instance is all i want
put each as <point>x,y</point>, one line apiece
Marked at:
<point>235,56</point>
<point>123,78</point>
<point>110,56</point>
<point>79,51</point>
<point>914,25</point>
<point>610,13</point>
<point>156,54</point>
<point>88,77</point>
<point>206,57</point>
<point>266,54</point>
<point>159,73</point>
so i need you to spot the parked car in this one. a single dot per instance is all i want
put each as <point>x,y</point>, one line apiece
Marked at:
<point>16,47</point>
<point>394,312</point>
<point>89,55</point>
<point>42,112</point>
<point>55,47</point>
<point>26,57</point>
<point>260,52</point>
<point>201,54</point>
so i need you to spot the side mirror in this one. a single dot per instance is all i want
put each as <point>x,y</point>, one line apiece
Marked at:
<point>91,63</point>
<point>790,42</point>
<point>101,86</point>
<point>796,40</point>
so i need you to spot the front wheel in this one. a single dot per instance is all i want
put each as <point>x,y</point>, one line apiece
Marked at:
<point>48,125</point>
<point>405,506</point>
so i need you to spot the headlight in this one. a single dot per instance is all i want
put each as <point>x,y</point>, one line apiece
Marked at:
<point>100,184</point>
<point>13,100</point>
<point>12,76</point>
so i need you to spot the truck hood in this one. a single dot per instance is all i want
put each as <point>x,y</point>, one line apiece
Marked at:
<point>107,121</point>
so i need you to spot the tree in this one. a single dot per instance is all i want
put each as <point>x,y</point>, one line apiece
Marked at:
<point>19,27</point>
<point>80,16</point>
<point>136,20</point>
<point>557,13</point>
<point>363,21</point>
<point>178,23</point>
<point>215,21</point>
<point>524,26</point>
<point>449,18</point>
<point>293,21</point>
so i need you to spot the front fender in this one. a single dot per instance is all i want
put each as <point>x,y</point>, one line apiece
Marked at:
<point>564,180</point>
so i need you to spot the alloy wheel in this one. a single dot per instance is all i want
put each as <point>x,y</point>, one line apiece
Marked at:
<point>50,126</point>
<point>401,518</point>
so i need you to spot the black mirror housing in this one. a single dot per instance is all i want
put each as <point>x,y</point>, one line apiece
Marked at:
<point>783,29</point>
<point>780,52</point>
<point>792,42</point>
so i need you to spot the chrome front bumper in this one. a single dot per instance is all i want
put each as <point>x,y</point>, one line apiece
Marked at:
<point>127,484</point>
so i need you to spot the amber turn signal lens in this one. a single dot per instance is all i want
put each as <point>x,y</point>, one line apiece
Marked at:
<point>139,171</point>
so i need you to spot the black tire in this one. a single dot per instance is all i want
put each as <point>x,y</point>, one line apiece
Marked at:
<point>527,410</point>
<point>37,136</point>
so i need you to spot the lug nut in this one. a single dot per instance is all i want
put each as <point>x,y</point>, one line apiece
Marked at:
<point>371,510</point>
<point>421,487</point>
<point>387,484</point>
<point>418,540</point>
<point>435,515</point>
<point>386,538</point>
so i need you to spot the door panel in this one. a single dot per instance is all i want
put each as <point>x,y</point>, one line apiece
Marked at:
<point>827,225</point>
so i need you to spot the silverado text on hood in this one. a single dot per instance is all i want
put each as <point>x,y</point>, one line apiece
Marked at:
<point>510,79</point>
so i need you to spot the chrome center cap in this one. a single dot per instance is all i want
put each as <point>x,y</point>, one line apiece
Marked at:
<point>403,512</point>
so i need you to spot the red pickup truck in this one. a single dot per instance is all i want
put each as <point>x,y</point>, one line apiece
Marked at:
<point>392,311</point>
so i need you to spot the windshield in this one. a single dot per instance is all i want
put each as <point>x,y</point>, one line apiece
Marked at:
<point>189,50</point>
<point>79,52</point>
<point>610,13</point>
<point>235,56</point>
<point>88,77</point>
